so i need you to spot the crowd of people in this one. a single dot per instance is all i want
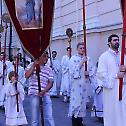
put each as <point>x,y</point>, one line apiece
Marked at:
<point>99,82</point>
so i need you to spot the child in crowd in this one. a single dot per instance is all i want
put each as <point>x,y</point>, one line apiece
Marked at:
<point>8,99</point>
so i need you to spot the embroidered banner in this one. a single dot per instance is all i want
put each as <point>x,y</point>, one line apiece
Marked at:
<point>32,20</point>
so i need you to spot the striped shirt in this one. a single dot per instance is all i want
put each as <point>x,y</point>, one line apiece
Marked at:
<point>46,74</point>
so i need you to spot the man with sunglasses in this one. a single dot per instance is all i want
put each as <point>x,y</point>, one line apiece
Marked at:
<point>108,75</point>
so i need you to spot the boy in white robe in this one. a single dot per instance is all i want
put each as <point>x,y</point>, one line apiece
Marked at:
<point>79,85</point>
<point>21,72</point>
<point>8,99</point>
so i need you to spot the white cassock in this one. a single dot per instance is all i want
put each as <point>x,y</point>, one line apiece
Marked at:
<point>8,66</point>
<point>114,110</point>
<point>56,69</point>
<point>78,94</point>
<point>8,99</point>
<point>65,81</point>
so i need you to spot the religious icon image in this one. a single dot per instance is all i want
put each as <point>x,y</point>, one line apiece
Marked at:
<point>29,13</point>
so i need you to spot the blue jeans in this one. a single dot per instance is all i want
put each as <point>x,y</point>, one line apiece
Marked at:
<point>47,110</point>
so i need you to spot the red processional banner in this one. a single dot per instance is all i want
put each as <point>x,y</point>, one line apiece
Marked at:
<point>32,20</point>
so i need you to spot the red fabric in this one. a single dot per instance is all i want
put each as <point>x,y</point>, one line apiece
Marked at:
<point>31,38</point>
<point>123,6</point>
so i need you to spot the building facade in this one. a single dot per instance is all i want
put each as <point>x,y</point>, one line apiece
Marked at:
<point>103,17</point>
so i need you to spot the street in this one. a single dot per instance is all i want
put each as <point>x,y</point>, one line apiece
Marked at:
<point>60,110</point>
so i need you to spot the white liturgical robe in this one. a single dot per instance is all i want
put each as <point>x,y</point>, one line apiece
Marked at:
<point>114,110</point>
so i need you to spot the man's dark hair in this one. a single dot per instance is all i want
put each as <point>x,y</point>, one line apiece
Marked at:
<point>68,48</point>
<point>80,43</point>
<point>111,36</point>
<point>54,52</point>
<point>28,62</point>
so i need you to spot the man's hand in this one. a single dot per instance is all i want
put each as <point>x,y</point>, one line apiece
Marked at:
<point>120,75</point>
<point>36,62</point>
<point>2,77</point>
<point>17,93</point>
<point>122,68</point>
<point>41,94</point>
<point>84,59</point>
<point>14,82</point>
<point>86,73</point>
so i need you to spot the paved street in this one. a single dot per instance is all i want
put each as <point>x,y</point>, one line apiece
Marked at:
<point>60,114</point>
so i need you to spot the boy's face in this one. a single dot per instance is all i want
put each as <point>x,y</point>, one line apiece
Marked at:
<point>81,50</point>
<point>13,78</point>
